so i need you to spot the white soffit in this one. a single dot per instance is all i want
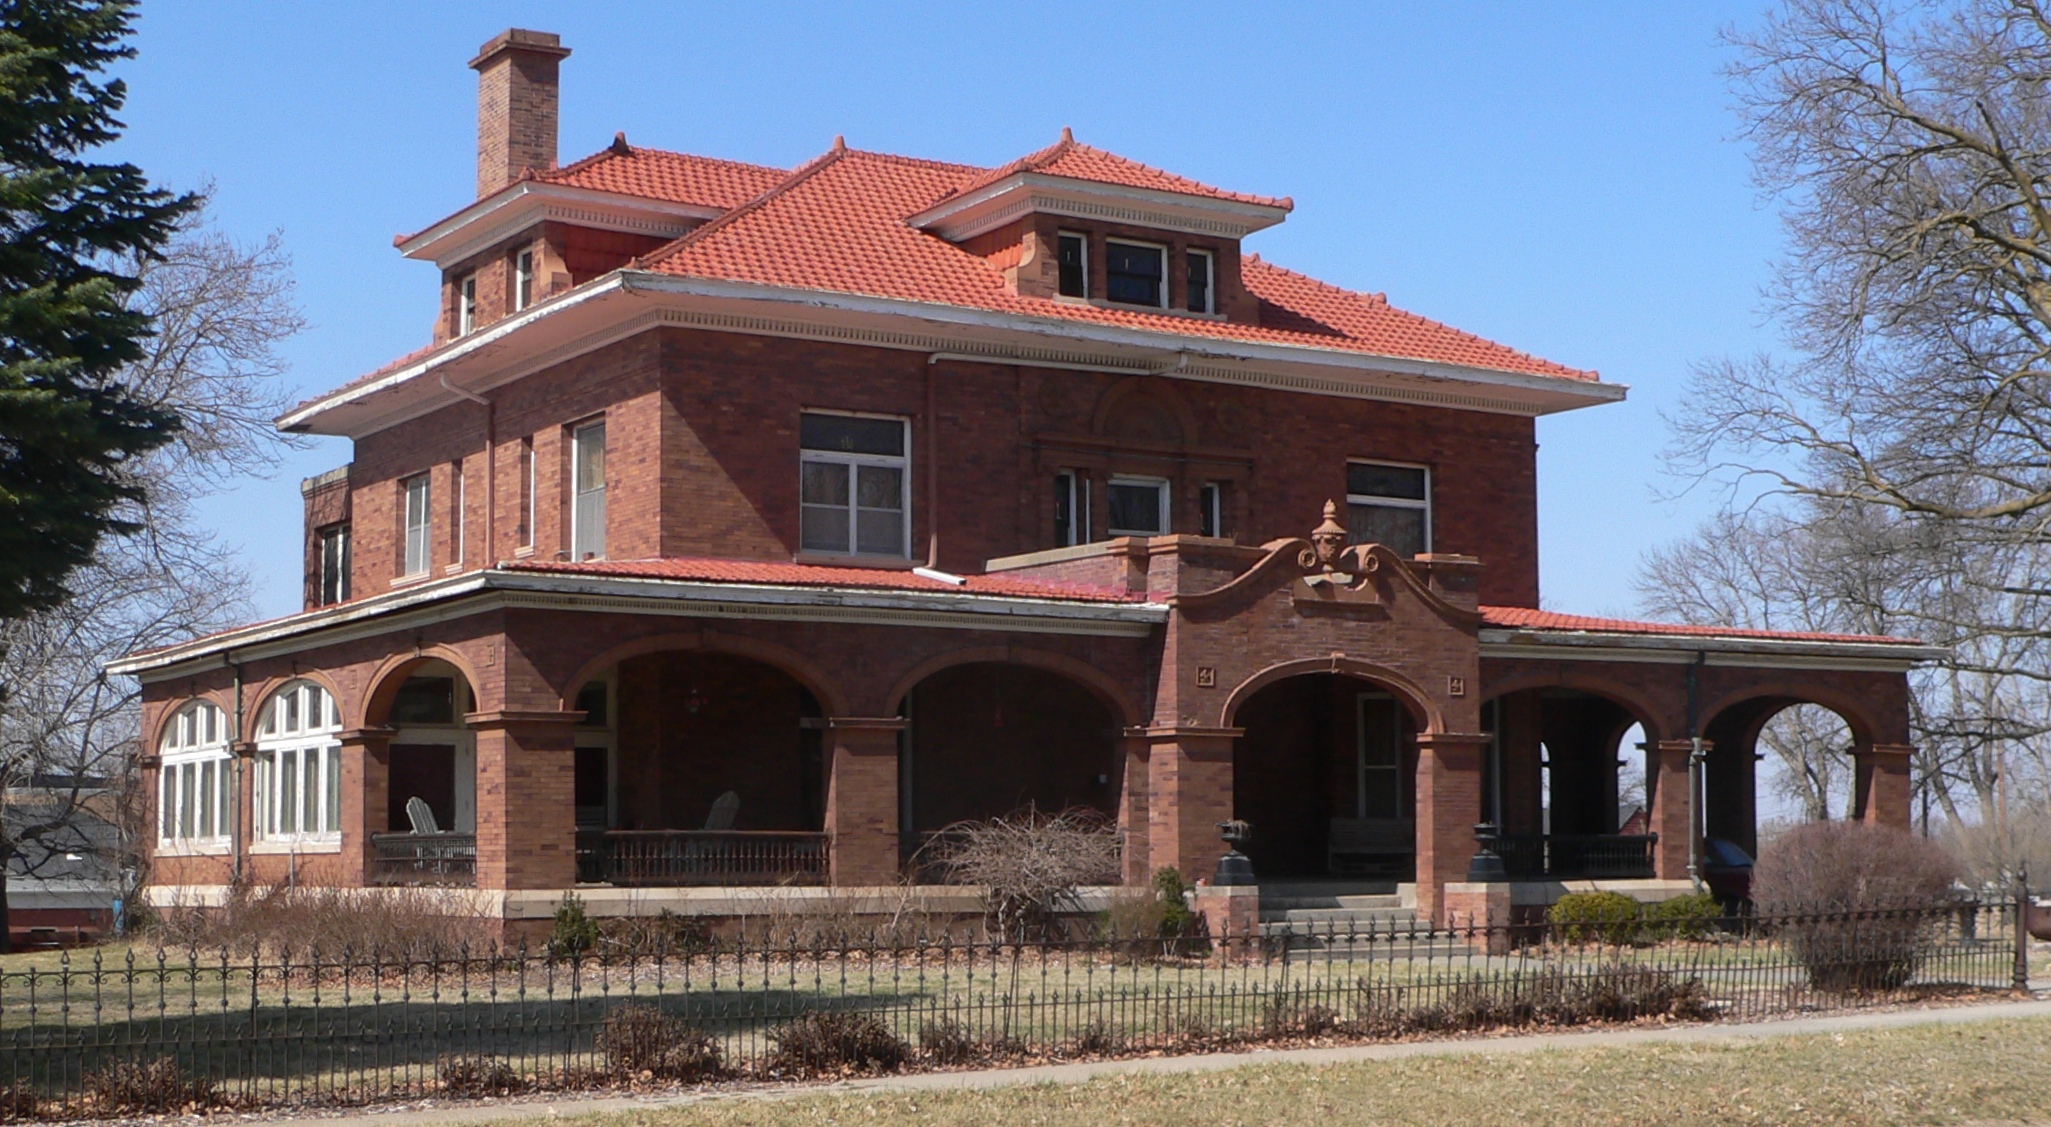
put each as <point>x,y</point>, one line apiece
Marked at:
<point>1028,193</point>
<point>506,213</point>
<point>1681,649</point>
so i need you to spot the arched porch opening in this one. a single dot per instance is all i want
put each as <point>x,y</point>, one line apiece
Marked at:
<point>984,739</point>
<point>1326,772</point>
<point>698,767</point>
<point>423,808</point>
<point>1776,761</point>
<point>1565,779</point>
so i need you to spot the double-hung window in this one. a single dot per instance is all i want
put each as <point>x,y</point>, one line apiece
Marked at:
<point>1201,281</point>
<point>195,780</point>
<point>1389,503</point>
<point>1073,257</point>
<point>523,280</point>
<point>1210,508</point>
<point>299,766</point>
<point>1071,508</point>
<point>419,523</point>
<point>466,306</point>
<point>1138,505</point>
<point>587,504</point>
<point>853,484</point>
<point>334,565</point>
<point>529,491</point>
<point>1136,273</point>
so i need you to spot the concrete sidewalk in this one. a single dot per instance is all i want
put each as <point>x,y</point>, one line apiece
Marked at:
<point>414,1115</point>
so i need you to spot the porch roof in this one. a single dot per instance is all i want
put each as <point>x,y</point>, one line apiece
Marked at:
<point>1526,632</point>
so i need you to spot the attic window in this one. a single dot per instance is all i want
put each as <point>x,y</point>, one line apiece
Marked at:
<point>1136,274</point>
<point>1200,282</point>
<point>1073,257</point>
<point>466,306</point>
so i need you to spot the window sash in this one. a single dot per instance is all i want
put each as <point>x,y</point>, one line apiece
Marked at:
<point>1136,274</point>
<point>1398,521</point>
<point>299,791</point>
<point>466,306</point>
<point>418,496</point>
<point>1072,261</point>
<point>587,474</point>
<point>523,280</point>
<point>528,467</point>
<point>334,565</point>
<point>855,504</point>
<point>193,796</point>
<point>1122,495</point>
<point>1210,504</point>
<point>1202,282</point>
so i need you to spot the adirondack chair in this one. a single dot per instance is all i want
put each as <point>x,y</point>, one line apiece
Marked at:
<point>721,816</point>
<point>421,815</point>
<point>699,854</point>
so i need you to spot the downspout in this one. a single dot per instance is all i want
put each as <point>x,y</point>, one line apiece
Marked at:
<point>490,463</point>
<point>1697,781</point>
<point>238,840</point>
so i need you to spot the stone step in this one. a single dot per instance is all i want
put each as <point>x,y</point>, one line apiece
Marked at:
<point>1381,918</point>
<point>1332,903</point>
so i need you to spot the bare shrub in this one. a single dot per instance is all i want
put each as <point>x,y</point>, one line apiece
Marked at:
<point>665,933</point>
<point>1030,865</point>
<point>1853,902</point>
<point>1292,1015</point>
<point>638,1038</point>
<point>1551,997</point>
<point>282,919</point>
<point>1099,1039</point>
<point>19,1101</point>
<point>801,919</point>
<point>158,1087</point>
<point>947,1041</point>
<point>476,1076</point>
<point>835,1041</point>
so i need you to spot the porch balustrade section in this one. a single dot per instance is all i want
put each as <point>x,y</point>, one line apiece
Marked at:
<point>436,859</point>
<point>679,858</point>
<point>1578,856</point>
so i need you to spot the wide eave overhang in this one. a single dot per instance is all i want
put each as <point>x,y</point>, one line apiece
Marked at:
<point>1026,193</point>
<point>626,302</point>
<point>1876,655</point>
<point>491,590</point>
<point>522,204</point>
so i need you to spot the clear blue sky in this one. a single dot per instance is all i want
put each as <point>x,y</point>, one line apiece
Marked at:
<point>1560,179</point>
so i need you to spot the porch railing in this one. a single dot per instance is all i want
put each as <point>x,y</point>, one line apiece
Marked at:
<point>1578,856</point>
<point>445,859</point>
<point>669,858</point>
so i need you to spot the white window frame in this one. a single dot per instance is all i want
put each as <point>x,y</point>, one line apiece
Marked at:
<point>1078,496</point>
<point>462,492</point>
<point>466,305</point>
<point>1372,499</point>
<point>297,734</point>
<point>338,534</point>
<point>195,781</point>
<point>583,544</point>
<point>416,521</point>
<point>1167,504</point>
<point>1210,498</point>
<point>523,280</point>
<point>532,469</point>
<point>1058,236</point>
<point>1210,261</point>
<point>1166,282</point>
<point>901,462</point>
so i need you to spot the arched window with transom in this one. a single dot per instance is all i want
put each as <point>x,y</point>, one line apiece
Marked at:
<point>195,780</point>
<point>299,765</point>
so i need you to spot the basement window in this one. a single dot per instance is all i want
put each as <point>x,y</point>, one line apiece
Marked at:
<point>853,477</point>
<point>1074,259</point>
<point>1136,274</point>
<point>1139,506</point>
<point>1389,503</point>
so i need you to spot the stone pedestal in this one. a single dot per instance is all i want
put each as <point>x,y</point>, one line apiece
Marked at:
<point>1479,914</point>
<point>1232,915</point>
<point>861,800</point>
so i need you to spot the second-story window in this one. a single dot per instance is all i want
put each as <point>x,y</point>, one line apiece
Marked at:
<point>419,523</point>
<point>529,491</point>
<point>1210,508</point>
<point>466,306</point>
<point>587,505</point>
<point>1139,506</point>
<point>334,565</point>
<point>1071,508</point>
<point>1201,267</point>
<point>1136,274</point>
<point>853,477</point>
<point>1073,256</point>
<point>523,280</point>
<point>1389,503</point>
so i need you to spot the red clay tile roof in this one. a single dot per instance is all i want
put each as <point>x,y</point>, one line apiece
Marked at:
<point>1075,160</point>
<point>837,225</point>
<point>1525,618</point>
<point>777,574</point>
<point>674,177</point>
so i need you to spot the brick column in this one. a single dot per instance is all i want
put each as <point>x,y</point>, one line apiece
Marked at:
<point>1189,791</point>
<point>1133,827</point>
<point>1881,784</point>
<point>366,785</point>
<point>1672,814</point>
<point>526,799</point>
<point>861,799</point>
<point>1448,806</point>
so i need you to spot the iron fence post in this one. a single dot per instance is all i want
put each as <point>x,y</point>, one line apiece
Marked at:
<point>2022,933</point>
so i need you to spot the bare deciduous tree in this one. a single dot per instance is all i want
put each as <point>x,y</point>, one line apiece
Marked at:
<point>68,730</point>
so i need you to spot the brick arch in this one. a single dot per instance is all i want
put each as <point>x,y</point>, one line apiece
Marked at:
<point>262,692</point>
<point>787,661</point>
<point>1641,709</point>
<point>153,739</point>
<point>1100,685</point>
<point>1152,388</point>
<point>1430,720</point>
<point>384,684</point>
<point>1865,729</point>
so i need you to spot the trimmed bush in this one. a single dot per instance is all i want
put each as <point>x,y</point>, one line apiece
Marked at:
<point>156,1088</point>
<point>637,1038</point>
<point>1595,917</point>
<point>475,1076</point>
<point>1684,917</point>
<point>574,932</point>
<point>1855,903</point>
<point>837,1042</point>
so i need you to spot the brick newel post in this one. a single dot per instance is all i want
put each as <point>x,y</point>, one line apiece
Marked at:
<point>1134,828</point>
<point>1189,791</point>
<point>861,799</point>
<point>1881,782</point>
<point>1448,806</point>
<point>366,786</point>
<point>1672,814</point>
<point>526,799</point>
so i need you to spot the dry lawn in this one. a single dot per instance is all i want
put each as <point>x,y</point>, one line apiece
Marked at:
<point>1994,1072</point>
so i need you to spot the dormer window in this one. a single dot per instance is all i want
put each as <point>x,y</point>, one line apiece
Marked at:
<point>1074,258</point>
<point>466,306</point>
<point>523,280</point>
<point>1136,274</point>
<point>1202,267</point>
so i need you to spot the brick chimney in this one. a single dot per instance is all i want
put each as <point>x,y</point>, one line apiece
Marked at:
<point>517,91</point>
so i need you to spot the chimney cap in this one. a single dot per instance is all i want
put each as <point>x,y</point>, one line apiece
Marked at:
<point>522,40</point>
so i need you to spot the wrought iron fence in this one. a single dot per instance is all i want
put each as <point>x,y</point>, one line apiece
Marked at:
<point>448,859</point>
<point>286,1029</point>
<point>672,858</point>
